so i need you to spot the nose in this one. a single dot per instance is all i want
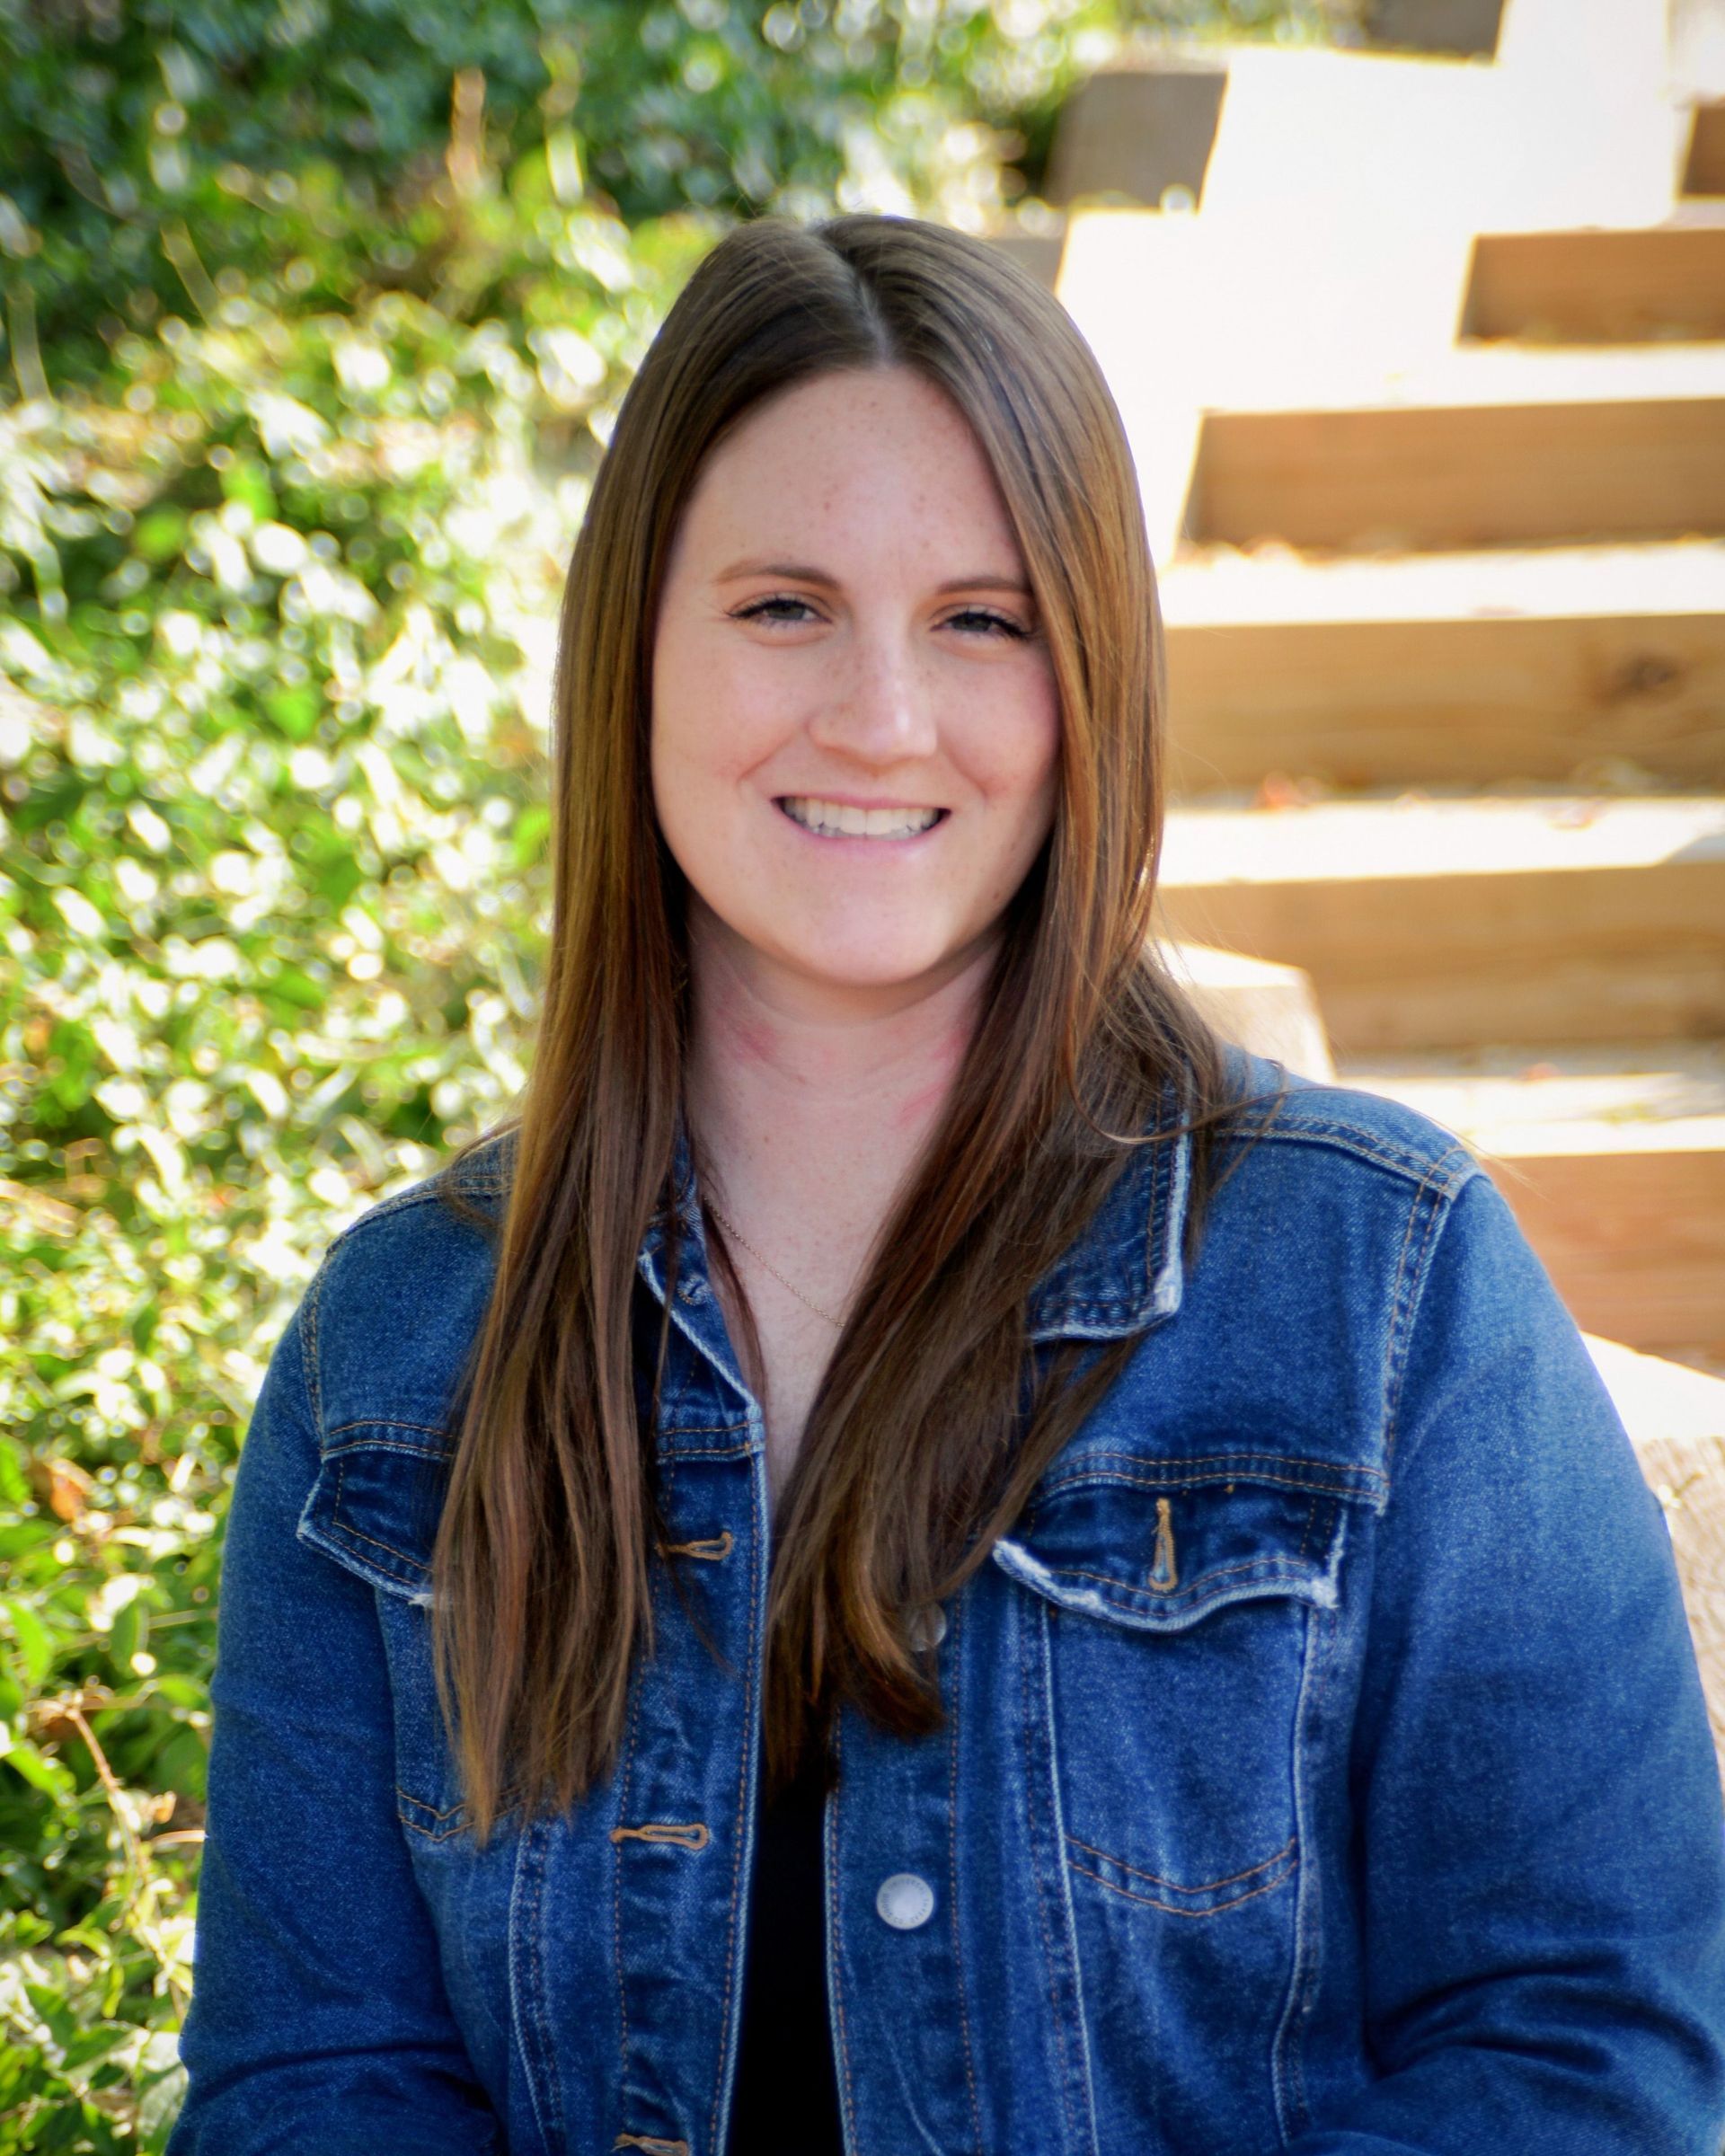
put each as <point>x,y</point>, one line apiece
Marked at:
<point>880,710</point>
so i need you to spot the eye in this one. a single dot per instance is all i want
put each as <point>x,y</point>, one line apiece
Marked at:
<point>786,609</point>
<point>983,621</point>
<point>766,610</point>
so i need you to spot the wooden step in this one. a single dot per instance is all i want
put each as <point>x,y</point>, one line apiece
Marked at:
<point>1036,249</point>
<point>1133,132</point>
<point>1433,923</point>
<point>1703,163</point>
<point>1466,28</point>
<point>1478,467</point>
<point>1558,663</point>
<point>1271,1010</point>
<point>1613,1160</point>
<point>1595,286</point>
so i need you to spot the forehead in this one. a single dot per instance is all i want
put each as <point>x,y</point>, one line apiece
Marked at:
<point>866,453</point>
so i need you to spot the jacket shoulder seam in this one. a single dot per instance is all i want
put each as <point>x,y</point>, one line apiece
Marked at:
<point>1422,1170</point>
<point>426,1193</point>
<point>304,1322</point>
<point>430,1191</point>
<point>1412,1270</point>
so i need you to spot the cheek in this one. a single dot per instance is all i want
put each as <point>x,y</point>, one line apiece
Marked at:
<point>712,721</point>
<point>1013,751</point>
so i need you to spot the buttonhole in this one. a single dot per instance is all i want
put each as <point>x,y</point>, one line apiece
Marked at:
<point>1164,1574</point>
<point>690,1835</point>
<point>713,1547</point>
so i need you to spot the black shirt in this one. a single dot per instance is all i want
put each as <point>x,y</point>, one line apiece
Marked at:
<point>786,2099</point>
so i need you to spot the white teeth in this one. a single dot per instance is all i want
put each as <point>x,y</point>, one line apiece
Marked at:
<point>838,820</point>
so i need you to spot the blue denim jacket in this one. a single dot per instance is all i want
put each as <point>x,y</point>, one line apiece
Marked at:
<point>1326,1767</point>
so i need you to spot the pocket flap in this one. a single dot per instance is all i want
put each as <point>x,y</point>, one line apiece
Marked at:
<point>1158,1543</point>
<point>376,1502</point>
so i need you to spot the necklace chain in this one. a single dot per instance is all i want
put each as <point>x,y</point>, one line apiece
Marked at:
<point>760,1257</point>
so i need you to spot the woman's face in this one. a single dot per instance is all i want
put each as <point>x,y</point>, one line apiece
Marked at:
<point>855,729</point>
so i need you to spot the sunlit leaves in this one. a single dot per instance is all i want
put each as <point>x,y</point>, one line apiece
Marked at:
<point>314,353</point>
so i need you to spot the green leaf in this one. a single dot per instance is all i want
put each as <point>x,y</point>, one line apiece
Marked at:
<point>91,2043</point>
<point>291,985</point>
<point>159,535</point>
<point>18,1538</point>
<point>52,2007</point>
<point>295,711</point>
<point>248,482</point>
<point>178,1690</point>
<point>183,1764</point>
<point>130,1629</point>
<point>47,1775</point>
<point>14,1487</point>
<point>35,1643</point>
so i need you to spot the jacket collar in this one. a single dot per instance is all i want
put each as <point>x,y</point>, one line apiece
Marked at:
<point>1123,1275</point>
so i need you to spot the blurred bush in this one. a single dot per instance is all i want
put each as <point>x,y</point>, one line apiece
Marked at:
<point>316,320</point>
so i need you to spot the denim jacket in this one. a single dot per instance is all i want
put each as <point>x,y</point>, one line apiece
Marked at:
<point>1324,1766</point>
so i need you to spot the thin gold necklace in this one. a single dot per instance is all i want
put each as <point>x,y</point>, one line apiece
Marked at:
<point>760,1257</point>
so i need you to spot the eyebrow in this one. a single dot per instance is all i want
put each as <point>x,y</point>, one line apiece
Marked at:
<point>802,572</point>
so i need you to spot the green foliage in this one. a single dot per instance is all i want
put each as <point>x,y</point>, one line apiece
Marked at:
<point>317,318</point>
<point>266,129</point>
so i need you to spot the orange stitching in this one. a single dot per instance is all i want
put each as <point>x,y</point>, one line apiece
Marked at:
<point>830,1857</point>
<point>1150,1901</point>
<point>506,1804</point>
<point>1401,1333</point>
<point>623,1794</point>
<point>691,1836</point>
<point>1257,1478</point>
<point>1354,1140</point>
<point>1217,1572</point>
<point>387,1422</point>
<point>652,2143</point>
<point>1209,1886</point>
<point>951,1693</point>
<point>1175,1466</point>
<point>1043,1727</point>
<point>739,1831</point>
<point>447,1811</point>
<point>358,1534</point>
<point>714,1546</point>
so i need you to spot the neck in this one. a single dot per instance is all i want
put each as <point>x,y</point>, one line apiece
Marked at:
<point>812,1101</point>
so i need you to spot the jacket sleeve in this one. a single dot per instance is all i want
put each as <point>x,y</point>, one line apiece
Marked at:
<point>1540,1842</point>
<point>318,2021</point>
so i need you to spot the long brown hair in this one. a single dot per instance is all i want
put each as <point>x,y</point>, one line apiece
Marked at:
<point>920,1447</point>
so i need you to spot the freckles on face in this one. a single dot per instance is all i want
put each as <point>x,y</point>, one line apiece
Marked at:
<point>855,728</point>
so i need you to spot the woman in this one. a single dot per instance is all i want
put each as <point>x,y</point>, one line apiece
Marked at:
<point>925,1558</point>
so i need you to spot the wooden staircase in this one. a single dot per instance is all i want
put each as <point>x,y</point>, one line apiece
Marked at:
<point>1423,363</point>
<point>1441,487</point>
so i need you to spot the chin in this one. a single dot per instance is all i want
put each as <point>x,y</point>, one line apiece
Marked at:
<point>845,967</point>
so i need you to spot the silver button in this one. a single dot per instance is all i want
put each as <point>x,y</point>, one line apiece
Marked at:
<point>904,1901</point>
<point>927,1626</point>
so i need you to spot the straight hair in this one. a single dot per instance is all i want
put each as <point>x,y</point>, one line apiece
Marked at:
<point>934,1418</point>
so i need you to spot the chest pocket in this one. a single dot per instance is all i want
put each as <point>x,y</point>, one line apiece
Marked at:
<point>1181,1604</point>
<point>375,1509</point>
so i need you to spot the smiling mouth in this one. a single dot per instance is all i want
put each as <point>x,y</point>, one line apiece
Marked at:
<point>839,819</point>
